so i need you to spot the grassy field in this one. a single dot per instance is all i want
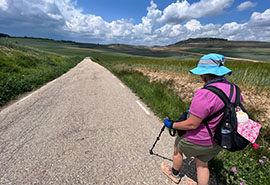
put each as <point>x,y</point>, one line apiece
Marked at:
<point>251,74</point>
<point>20,61</point>
<point>238,49</point>
<point>69,48</point>
<point>255,74</point>
<point>23,69</point>
<point>261,54</point>
<point>247,50</point>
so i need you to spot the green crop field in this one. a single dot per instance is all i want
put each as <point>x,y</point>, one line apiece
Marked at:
<point>71,48</point>
<point>261,54</point>
<point>238,49</point>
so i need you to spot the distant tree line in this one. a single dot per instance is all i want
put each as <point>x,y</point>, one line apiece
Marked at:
<point>200,40</point>
<point>4,35</point>
<point>204,39</point>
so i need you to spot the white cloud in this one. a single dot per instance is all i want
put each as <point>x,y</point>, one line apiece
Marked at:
<point>246,5</point>
<point>260,19</point>
<point>120,28</point>
<point>149,22</point>
<point>62,19</point>
<point>193,25</point>
<point>259,24</point>
<point>55,16</point>
<point>182,11</point>
<point>3,5</point>
<point>233,31</point>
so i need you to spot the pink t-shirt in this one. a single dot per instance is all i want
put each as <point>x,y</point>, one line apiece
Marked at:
<point>204,104</point>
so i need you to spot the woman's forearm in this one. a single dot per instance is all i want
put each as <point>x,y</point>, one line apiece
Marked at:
<point>191,123</point>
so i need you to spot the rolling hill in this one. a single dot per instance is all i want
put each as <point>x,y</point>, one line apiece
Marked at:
<point>252,50</point>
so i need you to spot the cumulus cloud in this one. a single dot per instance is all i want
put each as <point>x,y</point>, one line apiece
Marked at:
<point>259,23</point>
<point>234,31</point>
<point>3,5</point>
<point>149,22</point>
<point>34,18</point>
<point>193,25</point>
<point>182,11</point>
<point>62,19</point>
<point>260,19</point>
<point>245,5</point>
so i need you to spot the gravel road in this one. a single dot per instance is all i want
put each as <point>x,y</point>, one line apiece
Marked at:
<point>82,128</point>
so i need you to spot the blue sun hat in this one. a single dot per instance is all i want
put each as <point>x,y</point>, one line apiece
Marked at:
<point>211,64</point>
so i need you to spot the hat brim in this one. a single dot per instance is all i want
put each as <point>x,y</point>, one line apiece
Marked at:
<point>211,69</point>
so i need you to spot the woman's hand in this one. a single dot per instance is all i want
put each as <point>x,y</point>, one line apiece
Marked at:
<point>168,123</point>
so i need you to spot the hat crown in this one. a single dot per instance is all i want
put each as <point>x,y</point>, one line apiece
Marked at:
<point>211,64</point>
<point>212,59</point>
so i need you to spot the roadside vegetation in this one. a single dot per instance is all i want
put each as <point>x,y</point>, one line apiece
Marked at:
<point>23,69</point>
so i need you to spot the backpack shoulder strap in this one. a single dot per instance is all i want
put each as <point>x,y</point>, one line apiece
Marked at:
<point>238,100</point>
<point>220,94</point>
<point>225,100</point>
<point>223,94</point>
<point>231,91</point>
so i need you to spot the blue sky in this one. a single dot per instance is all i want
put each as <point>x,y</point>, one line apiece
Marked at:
<point>136,9</point>
<point>137,22</point>
<point>126,9</point>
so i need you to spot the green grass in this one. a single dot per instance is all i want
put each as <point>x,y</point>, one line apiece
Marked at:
<point>23,69</point>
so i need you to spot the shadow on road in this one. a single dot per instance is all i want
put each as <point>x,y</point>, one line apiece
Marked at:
<point>162,157</point>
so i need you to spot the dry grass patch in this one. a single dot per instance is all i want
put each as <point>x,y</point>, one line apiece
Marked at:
<point>185,85</point>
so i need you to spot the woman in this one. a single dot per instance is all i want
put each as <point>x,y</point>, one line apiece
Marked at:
<point>197,142</point>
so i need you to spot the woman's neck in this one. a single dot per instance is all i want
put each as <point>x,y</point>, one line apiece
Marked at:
<point>214,80</point>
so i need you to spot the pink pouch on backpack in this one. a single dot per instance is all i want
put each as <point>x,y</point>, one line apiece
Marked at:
<point>249,130</point>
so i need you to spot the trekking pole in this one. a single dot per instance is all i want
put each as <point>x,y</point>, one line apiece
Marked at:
<point>158,138</point>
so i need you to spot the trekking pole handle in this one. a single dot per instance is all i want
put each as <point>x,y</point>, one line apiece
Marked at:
<point>172,132</point>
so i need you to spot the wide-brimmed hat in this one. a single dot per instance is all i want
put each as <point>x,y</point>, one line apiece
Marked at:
<point>211,64</point>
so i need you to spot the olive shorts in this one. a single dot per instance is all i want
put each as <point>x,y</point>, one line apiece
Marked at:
<point>203,153</point>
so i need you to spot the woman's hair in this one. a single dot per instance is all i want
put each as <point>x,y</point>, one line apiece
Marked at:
<point>207,77</point>
<point>212,76</point>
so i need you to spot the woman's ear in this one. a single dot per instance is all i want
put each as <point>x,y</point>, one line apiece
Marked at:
<point>203,77</point>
